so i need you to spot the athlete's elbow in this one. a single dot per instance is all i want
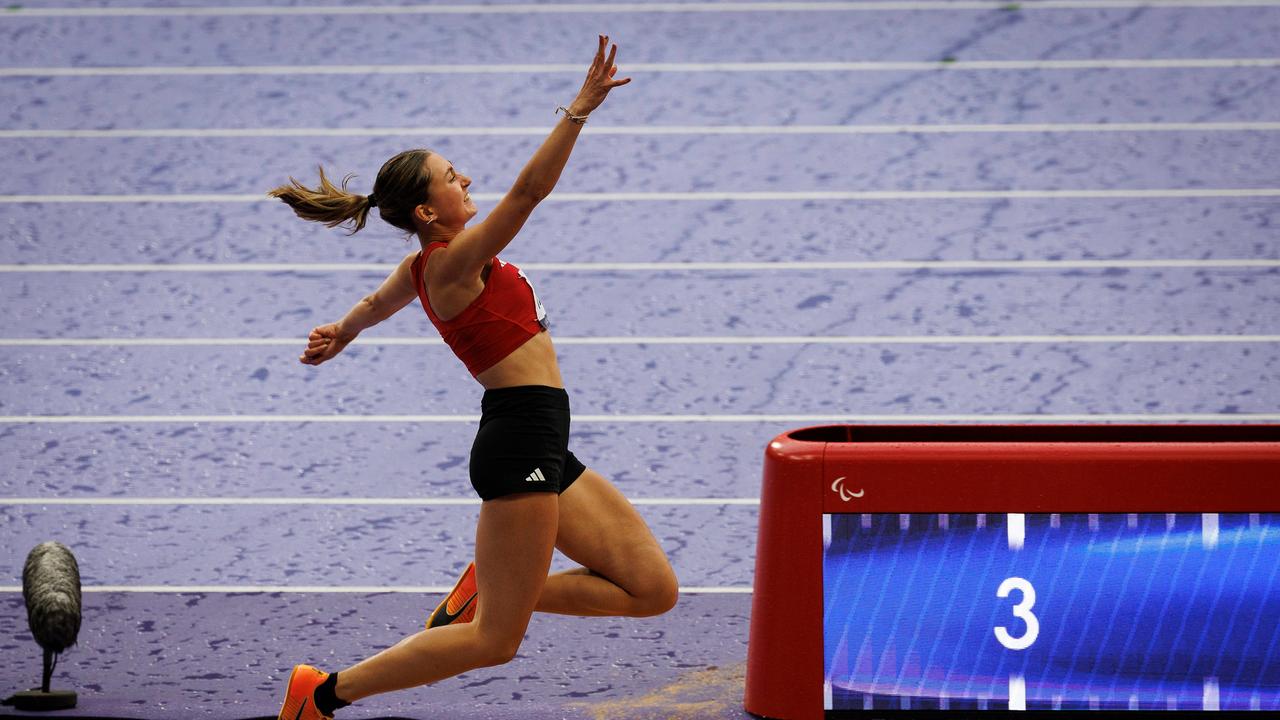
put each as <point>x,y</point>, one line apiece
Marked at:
<point>374,308</point>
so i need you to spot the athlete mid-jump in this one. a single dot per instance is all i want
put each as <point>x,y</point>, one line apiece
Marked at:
<point>536,495</point>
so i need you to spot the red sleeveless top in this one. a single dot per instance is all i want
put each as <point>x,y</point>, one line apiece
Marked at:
<point>505,315</point>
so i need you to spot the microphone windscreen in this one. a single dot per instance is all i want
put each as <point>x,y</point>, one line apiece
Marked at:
<point>51,588</point>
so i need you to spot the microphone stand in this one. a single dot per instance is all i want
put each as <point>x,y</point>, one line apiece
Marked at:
<point>42,699</point>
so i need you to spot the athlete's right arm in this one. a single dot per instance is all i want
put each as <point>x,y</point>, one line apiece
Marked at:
<point>472,249</point>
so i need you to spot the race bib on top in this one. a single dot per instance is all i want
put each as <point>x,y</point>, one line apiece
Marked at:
<point>538,309</point>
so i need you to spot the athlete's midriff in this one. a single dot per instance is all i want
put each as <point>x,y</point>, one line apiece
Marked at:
<point>533,363</point>
<point>500,332</point>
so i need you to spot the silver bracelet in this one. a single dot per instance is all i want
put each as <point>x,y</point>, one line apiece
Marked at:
<point>580,119</point>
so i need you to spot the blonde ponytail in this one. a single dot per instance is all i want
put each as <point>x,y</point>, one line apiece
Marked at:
<point>330,204</point>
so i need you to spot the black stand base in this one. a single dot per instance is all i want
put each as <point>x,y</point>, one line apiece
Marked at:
<point>37,700</point>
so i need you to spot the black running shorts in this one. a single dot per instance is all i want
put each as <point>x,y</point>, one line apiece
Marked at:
<point>523,442</point>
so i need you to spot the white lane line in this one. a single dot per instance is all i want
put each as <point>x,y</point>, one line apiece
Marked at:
<point>594,8</point>
<point>361,589</point>
<point>830,418</point>
<point>701,7</point>
<point>693,196</point>
<point>338,501</point>
<point>633,68</point>
<point>668,340</point>
<point>646,130</point>
<point>593,267</point>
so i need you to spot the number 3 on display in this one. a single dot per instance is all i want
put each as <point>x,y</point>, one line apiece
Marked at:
<point>1022,611</point>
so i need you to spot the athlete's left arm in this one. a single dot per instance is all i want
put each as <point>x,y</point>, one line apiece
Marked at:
<point>397,291</point>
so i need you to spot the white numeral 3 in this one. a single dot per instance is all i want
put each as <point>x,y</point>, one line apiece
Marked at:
<point>1022,611</point>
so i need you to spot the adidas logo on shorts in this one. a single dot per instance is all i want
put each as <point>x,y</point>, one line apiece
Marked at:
<point>536,476</point>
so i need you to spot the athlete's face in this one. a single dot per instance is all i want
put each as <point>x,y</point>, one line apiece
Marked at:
<point>447,196</point>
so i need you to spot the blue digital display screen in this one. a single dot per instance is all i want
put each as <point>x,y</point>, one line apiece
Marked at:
<point>1147,611</point>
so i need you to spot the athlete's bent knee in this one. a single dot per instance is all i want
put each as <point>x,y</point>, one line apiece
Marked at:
<point>658,595</point>
<point>498,650</point>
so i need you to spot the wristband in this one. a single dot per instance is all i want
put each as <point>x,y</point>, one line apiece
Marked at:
<point>580,119</point>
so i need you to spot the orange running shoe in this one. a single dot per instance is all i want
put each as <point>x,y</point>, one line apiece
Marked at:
<point>459,606</point>
<point>299,697</point>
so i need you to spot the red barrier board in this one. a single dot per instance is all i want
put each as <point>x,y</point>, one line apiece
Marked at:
<point>1029,469</point>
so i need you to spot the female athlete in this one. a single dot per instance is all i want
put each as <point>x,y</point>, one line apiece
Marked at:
<point>536,496</point>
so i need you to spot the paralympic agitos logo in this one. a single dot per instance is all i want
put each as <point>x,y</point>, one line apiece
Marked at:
<point>845,495</point>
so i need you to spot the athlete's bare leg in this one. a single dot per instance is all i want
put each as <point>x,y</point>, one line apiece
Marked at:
<point>514,541</point>
<point>625,571</point>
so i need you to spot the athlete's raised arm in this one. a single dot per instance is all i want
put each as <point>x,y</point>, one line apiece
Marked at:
<point>472,249</point>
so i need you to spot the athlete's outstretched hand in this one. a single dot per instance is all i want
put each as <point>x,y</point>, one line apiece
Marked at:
<point>599,80</point>
<point>323,343</point>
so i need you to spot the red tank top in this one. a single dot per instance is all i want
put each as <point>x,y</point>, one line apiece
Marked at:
<point>502,318</point>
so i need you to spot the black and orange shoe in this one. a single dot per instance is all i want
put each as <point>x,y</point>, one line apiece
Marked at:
<point>459,606</point>
<point>299,696</point>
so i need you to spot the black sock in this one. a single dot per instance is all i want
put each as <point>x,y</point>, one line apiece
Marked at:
<point>326,701</point>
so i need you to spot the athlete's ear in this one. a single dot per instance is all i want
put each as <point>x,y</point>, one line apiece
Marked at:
<point>424,215</point>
